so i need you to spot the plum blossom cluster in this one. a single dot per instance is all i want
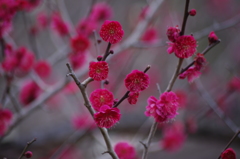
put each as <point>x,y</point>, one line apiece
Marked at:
<point>20,60</point>
<point>183,46</point>
<point>136,82</point>
<point>9,8</point>
<point>102,101</point>
<point>5,120</point>
<point>124,150</point>
<point>163,109</point>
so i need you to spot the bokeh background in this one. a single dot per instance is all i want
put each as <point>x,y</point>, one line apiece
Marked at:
<point>52,122</point>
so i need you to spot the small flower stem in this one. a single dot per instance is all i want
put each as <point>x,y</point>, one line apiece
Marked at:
<point>82,86</point>
<point>209,47</point>
<point>107,52</point>
<point>127,93</point>
<point>186,14</point>
<point>230,142</point>
<point>96,42</point>
<point>25,149</point>
<point>175,75</point>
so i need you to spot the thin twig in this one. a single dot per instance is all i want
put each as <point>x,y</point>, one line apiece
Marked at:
<point>209,47</point>
<point>230,142</point>
<point>25,149</point>
<point>149,139</point>
<point>107,52</point>
<point>186,14</point>
<point>91,110</point>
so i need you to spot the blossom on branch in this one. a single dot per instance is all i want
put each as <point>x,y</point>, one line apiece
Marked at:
<point>59,25</point>
<point>98,70</point>
<point>212,38</point>
<point>42,68</point>
<point>191,74</point>
<point>133,97</point>
<point>183,47</point>
<point>136,81</point>
<point>111,31</point>
<point>101,97</point>
<point>107,116</point>
<point>163,109</point>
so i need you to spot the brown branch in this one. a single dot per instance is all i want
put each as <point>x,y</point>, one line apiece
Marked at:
<point>25,149</point>
<point>186,14</point>
<point>107,52</point>
<point>209,47</point>
<point>91,110</point>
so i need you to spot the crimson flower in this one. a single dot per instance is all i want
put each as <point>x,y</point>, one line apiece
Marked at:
<point>107,116</point>
<point>101,97</point>
<point>79,43</point>
<point>5,119</point>
<point>183,47</point>
<point>212,38</point>
<point>43,68</point>
<point>136,81</point>
<point>98,70</point>
<point>192,73</point>
<point>111,31</point>
<point>133,97</point>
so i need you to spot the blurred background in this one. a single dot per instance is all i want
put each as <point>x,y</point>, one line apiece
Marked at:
<point>209,107</point>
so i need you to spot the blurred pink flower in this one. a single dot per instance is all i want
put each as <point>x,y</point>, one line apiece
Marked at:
<point>173,137</point>
<point>29,92</point>
<point>86,27</point>
<point>229,153</point>
<point>80,43</point>
<point>125,151</point>
<point>101,11</point>
<point>83,121</point>
<point>101,97</point>
<point>107,116</point>
<point>77,59</point>
<point>42,68</point>
<point>59,25</point>
<point>98,70</point>
<point>111,31</point>
<point>136,81</point>
<point>5,119</point>
<point>150,36</point>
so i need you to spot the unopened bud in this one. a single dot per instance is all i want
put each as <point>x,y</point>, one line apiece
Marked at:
<point>192,12</point>
<point>28,154</point>
<point>99,58</point>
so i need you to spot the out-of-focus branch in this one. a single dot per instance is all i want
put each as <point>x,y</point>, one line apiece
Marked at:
<point>91,110</point>
<point>213,105</point>
<point>217,27</point>
<point>60,85</point>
